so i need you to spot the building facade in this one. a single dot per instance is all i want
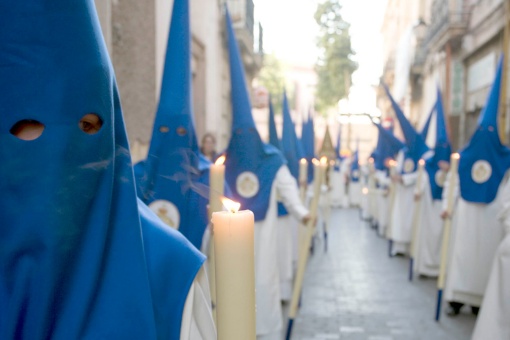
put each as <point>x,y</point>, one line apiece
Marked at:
<point>458,50</point>
<point>136,34</point>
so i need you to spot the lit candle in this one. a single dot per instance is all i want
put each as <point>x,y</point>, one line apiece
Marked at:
<point>235,272</point>
<point>319,175</point>
<point>216,185</point>
<point>454,166</point>
<point>303,178</point>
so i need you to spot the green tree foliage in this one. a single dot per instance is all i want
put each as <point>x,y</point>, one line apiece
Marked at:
<point>272,77</point>
<point>335,65</point>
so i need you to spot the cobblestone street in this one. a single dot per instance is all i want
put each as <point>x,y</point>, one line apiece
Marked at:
<point>357,292</point>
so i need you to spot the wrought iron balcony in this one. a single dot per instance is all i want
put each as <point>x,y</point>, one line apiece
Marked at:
<point>449,19</point>
<point>248,34</point>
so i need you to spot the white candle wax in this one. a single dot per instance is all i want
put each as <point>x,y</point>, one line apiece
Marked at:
<point>235,274</point>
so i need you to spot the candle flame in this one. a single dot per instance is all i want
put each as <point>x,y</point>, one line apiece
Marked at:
<point>456,156</point>
<point>364,191</point>
<point>220,160</point>
<point>370,160</point>
<point>392,162</point>
<point>231,206</point>
<point>315,161</point>
<point>303,161</point>
<point>324,160</point>
<point>421,162</point>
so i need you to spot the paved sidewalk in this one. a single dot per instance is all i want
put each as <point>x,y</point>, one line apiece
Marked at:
<point>357,292</point>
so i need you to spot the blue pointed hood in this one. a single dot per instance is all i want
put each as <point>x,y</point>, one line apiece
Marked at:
<point>72,261</point>
<point>355,172</point>
<point>416,146</point>
<point>273,135</point>
<point>251,165</point>
<point>425,130</point>
<point>174,166</point>
<point>338,146</point>
<point>308,144</point>
<point>387,147</point>
<point>442,151</point>
<point>292,150</point>
<point>484,161</point>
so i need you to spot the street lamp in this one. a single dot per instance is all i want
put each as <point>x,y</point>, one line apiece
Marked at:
<point>420,30</point>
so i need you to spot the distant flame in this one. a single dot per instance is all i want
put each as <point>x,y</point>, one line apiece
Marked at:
<point>220,161</point>
<point>364,191</point>
<point>455,156</point>
<point>324,160</point>
<point>231,206</point>
<point>315,161</point>
<point>421,162</point>
<point>370,160</point>
<point>392,162</point>
<point>303,161</point>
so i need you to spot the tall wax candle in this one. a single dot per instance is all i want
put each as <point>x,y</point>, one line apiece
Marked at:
<point>319,175</point>
<point>303,178</point>
<point>235,272</point>
<point>417,208</point>
<point>454,167</point>
<point>217,185</point>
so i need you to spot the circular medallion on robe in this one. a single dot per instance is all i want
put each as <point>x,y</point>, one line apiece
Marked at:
<point>481,171</point>
<point>440,178</point>
<point>167,212</point>
<point>408,165</point>
<point>247,184</point>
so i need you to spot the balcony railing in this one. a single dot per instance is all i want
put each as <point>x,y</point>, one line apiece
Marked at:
<point>446,15</point>
<point>241,12</point>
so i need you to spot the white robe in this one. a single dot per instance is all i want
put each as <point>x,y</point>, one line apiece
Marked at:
<point>475,235</point>
<point>383,201</point>
<point>493,320</point>
<point>355,193</point>
<point>286,229</point>
<point>267,276</point>
<point>402,212</point>
<point>197,321</point>
<point>429,231</point>
<point>338,195</point>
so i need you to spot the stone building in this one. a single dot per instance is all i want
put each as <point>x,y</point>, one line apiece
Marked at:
<point>457,44</point>
<point>136,34</point>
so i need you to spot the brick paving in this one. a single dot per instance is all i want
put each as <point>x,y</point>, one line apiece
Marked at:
<point>355,291</point>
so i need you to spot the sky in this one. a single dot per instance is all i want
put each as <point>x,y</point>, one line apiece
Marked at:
<point>290,33</point>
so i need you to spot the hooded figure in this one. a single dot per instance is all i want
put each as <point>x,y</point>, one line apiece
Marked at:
<point>339,174</point>
<point>173,177</point>
<point>428,195</point>
<point>407,161</point>
<point>257,174</point>
<point>388,146</point>
<point>425,130</point>
<point>492,322</point>
<point>476,231</point>
<point>72,260</point>
<point>288,225</point>
<point>354,179</point>
<point>308,143</point>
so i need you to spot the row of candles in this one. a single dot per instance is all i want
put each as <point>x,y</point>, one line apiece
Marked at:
<point>232,254</point>
<point>449,196</point>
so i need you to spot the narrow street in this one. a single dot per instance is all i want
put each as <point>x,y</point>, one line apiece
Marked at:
<point>356,291</point>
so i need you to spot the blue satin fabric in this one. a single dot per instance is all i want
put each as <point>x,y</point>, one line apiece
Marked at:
<point>73,262</point>
<point>485,145</point>
<point>246,152</point>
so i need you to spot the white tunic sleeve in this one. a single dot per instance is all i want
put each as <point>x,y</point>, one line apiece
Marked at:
<point>197,321</point>
<point>504,215</point>
<point>409,179</point>
<point>288,192</point>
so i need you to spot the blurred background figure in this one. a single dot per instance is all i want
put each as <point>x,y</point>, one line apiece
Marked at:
<point>208,147</point>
